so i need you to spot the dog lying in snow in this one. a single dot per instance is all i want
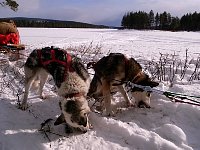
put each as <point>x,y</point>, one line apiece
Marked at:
<point>71,79</point>
<point>112,71</point>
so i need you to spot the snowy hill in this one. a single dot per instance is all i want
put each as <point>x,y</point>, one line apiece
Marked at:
<point>165,126</point>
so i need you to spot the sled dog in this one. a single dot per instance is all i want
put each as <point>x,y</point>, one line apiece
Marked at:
<point>71,79</point>
<point>112,71</point>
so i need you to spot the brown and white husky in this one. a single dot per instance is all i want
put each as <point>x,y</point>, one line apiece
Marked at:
<point>114,70</point>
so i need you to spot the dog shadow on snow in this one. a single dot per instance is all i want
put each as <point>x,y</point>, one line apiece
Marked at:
<point>20,126</point>
<point>23,128</point>
<point>109,128</point>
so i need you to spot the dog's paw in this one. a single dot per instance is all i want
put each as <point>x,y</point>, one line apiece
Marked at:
<point>142,104</point>
<point>90,126</point>
<point>23,106</point>
<point>130,104</point>
<point>43,96</point>
<point>108,113</point>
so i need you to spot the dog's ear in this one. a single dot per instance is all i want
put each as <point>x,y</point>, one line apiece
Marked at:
<point>153,83</point>
<point>60,120</point>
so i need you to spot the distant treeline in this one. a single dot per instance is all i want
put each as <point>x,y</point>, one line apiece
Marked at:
<point>47,23</point>
<point>162,21</point>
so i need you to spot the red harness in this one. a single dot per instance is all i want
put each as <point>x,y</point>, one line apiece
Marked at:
<point>66,63</point>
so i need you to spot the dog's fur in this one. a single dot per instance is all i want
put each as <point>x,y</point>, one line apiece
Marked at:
<point>72,85</point>
<point>112,71</point>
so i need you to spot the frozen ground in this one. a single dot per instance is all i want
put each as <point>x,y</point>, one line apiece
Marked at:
<point>166,126</point>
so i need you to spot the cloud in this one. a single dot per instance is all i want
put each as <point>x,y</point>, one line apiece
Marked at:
<point>28,5</point>
<point>175,7</point>
<point>97,11</point>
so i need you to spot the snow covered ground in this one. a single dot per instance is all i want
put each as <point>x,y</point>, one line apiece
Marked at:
<point>166,126</point>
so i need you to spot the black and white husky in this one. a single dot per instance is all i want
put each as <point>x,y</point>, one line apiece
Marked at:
<point>72,81</point>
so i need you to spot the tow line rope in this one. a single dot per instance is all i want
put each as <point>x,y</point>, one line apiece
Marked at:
<point>174,97</point>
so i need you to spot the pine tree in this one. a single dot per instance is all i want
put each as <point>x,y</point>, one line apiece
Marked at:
<point>151,19</point>
<point>157,20</point>
<point>175,24</point>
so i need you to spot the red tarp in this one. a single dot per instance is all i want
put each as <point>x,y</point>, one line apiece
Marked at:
<point>12,38</point>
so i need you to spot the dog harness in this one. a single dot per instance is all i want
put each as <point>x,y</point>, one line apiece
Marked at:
<point>49,55</point>
<point>66,61</point>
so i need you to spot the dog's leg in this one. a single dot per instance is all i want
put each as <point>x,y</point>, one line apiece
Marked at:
<point>29,78</point>
<point>43,78</point>
<point>125,95</point>
<point>107,97</point>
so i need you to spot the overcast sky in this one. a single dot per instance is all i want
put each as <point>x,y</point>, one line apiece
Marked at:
<point>106,12</point>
